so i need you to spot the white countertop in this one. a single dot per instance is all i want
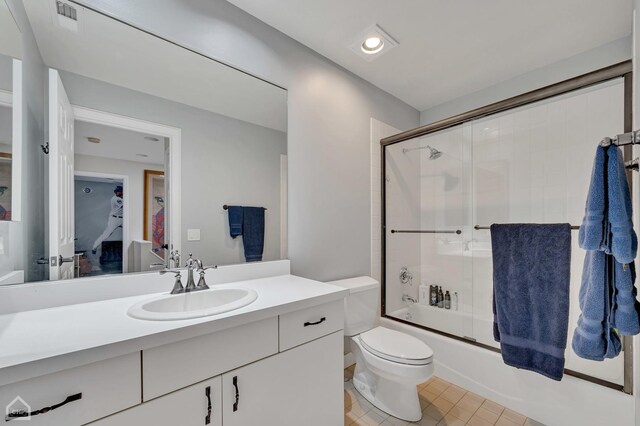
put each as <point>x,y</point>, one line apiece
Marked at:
<point>38,342</point>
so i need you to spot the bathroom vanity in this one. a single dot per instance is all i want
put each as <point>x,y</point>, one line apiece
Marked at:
<point>277,361</point>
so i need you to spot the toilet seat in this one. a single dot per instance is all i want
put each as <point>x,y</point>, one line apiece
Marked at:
<point>396,346</point>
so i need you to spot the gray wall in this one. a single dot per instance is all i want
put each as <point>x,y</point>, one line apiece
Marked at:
<point>6,73</point>
<point>34,131</point>
<point>328,124</point>
<point>224,161</point>
<point>591,60</point>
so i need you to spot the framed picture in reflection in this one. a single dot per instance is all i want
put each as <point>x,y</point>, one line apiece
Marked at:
<point>154,202</point>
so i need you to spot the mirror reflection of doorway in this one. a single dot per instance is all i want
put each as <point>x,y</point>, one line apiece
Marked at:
<point>99,222</point>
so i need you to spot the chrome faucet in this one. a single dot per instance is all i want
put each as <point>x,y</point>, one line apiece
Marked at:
<point>192,265</point>
<point>174,257</point>
<point>407,298</point>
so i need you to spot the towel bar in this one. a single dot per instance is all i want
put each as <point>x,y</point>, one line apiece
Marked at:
<point>478,227</point>
<point>427,231</point>
<point>226,207</point>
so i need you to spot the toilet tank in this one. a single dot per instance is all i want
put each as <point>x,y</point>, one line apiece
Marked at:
<point>361,306</point>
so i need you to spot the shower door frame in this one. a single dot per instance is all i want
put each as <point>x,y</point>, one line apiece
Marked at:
<point>621,70</point>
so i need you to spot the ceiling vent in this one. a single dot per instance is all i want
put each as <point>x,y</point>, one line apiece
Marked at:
<point>66,16</point>
<point>67,10</point>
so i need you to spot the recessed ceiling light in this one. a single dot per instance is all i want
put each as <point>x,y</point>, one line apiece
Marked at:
<point>93,139</point>
<point>372,45</point>
<point>151,138</point>
<point>142,155</point>
<point>372,42</point>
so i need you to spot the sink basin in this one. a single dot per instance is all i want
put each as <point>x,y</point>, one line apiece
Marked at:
<point>197,304</point>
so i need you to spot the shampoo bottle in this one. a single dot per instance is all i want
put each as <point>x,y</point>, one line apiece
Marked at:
<point>440,298</point>
<point>455,300</point>
<point>447,300</point>
<point>434,295</point>
<point>423,294</point>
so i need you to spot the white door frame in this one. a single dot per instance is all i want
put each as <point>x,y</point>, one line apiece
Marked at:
<point>126,238</point>
<point>173,134</point>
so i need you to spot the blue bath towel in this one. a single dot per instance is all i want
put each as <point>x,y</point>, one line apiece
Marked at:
<point>591,235</point>
<point>595,338</point>
<point>623,244</point>
<point>235,220</point>
<point>253,233</point>
<point>531,265</point>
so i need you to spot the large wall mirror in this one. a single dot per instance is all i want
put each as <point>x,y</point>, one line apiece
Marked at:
<point>151,149</point>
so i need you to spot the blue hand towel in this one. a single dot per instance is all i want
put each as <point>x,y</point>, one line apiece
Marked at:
<point>594,337</point>
<point>235,220</point>
<point>591,235</point>
<point>626,308</point>
<point>531,267</point>
<point>623,240</point>
<point>253,233</point>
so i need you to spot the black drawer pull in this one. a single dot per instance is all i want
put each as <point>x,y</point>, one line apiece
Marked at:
<point>207,392</point>
<point>235,385</point>
<point>20,414</point>
<point>307,324</point>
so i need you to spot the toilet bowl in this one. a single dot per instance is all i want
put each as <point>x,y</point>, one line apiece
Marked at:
<point>389,363</point>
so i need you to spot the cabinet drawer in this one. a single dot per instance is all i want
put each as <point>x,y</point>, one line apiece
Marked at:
<point>197,405</point>
<point>105,387</point>
<point>308,324</point>
<point>177,365</point>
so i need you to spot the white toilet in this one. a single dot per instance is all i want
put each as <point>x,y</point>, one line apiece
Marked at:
<point>389,363</point>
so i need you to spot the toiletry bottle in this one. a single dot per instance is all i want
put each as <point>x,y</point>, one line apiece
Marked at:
<point>455,300</point>
<point>434,295</point>
<point>440,298</point>
<point>447,300</point>
<point>423,294</point>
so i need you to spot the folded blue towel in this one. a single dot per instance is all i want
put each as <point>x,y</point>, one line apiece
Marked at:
<point>253,233</point>
<point>531,273</point>
<point>623,243</point>
<point>591,235</point>
<point>235,220</point>
<point>595,338</point>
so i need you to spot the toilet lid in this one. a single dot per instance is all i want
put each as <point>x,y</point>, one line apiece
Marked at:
<point>396,346</point>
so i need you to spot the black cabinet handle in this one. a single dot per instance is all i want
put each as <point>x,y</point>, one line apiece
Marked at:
<point>207,392</point>
<point>20,414</point>
<point>307,324</point>
<point>235,385</point>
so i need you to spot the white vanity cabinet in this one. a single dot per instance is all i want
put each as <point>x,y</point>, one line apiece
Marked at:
<point>196,405</point>
<point>301,386</point>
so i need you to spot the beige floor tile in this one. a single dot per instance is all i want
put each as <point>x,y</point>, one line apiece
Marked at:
<point>531,422</point>
<point>493,406</point>
<point>349,418</point>
<point>460,413</point>
<point>427,421</point>
<point>487,415</point>
<point>474,396</point>
<point>450,420</point>
<point>443,405</point>
<point>513,416</point>
<point>469,404</point>
<point>428,396</point>
<point>433,412</point>
<point>478,421</point>
<point>371,419</point>
<point>356,410</point>
<point>436,387</point>
<point>379,412</point>
<point>392,421</point>
<point>453,394</point>
<point>503,421</point>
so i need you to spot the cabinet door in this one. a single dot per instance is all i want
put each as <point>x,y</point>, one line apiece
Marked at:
<point>196,405</point>
<point>301,386</point>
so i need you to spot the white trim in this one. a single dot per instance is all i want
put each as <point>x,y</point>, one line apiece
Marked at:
<point>126,238</point>
<point>284,213</point>
<point>174,134</point>
<point>16,143</point>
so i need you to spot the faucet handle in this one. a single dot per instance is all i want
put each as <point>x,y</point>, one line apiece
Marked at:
<point>202,285</point>
<point>177,285</point>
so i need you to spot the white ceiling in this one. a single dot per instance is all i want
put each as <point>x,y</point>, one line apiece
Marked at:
<point>448,49</point>
<point>10,40</point>
<point>110,51</point>
<point>117,143</point>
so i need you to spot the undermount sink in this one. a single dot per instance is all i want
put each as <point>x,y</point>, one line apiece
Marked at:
<point>196,304</point>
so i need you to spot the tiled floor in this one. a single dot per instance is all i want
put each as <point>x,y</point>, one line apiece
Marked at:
<point>442,404</point>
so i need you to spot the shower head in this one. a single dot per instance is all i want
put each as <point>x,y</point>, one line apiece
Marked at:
<point>433,153</point>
